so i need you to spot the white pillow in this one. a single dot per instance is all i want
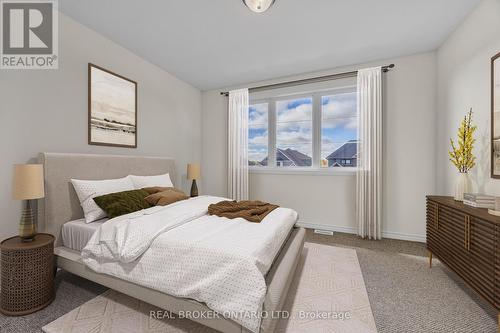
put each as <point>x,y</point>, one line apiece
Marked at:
<point>151,181</point>
<point>87,190</point>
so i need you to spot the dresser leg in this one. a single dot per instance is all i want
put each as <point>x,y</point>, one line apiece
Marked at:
<point>499,323</point>
<point>430,262</point>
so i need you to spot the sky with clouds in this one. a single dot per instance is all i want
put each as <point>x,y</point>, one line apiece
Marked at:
<point>294,125</point>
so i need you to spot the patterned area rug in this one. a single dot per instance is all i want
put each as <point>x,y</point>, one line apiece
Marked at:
<point>328,294</point>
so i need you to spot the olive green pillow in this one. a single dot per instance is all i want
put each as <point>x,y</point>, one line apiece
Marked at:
<point>121,203</point>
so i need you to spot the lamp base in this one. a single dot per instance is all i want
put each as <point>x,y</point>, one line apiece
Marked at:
<point>27,226</point>
<point>28,239</point>
<point>194,189</point>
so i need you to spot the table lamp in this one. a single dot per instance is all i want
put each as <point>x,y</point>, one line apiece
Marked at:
<point>193,172</point>
<point>27,185</point>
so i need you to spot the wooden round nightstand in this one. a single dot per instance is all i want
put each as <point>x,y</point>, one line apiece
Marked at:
<point>27,274</point>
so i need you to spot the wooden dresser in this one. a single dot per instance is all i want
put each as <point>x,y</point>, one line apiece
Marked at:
<point>466,239</point>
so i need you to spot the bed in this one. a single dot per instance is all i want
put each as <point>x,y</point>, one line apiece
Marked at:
<point>76,234</point>
<point>61,206</point>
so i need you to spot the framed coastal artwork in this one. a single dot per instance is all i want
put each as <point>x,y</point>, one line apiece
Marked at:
<point>112,103</point>
<point>495,116</point>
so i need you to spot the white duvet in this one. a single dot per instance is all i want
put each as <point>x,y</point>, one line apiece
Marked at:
<point>180,250</point>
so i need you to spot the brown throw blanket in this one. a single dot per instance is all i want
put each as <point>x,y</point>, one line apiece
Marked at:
<point>253,211</point>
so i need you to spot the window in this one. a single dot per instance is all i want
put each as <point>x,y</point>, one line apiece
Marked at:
<point>339,130</point>
<point>258,134</point>
<point>303,131</point>
<point>294,132</point>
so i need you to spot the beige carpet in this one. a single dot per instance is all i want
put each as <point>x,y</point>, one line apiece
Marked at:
<point>328,283</point>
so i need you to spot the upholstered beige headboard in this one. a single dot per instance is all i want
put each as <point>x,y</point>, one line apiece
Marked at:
<point>61,204</point>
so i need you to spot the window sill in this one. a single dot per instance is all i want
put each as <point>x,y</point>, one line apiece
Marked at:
<point>304,171</point>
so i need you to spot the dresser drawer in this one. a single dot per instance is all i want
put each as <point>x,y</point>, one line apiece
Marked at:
<point>450,238</point>
<point>445,231</point>
<point>497,267</point>
<point>481,256</point>
<point>453,227</point>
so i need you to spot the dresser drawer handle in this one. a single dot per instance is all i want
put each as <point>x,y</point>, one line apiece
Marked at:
<point>467,232</point>
<point>436,206</point>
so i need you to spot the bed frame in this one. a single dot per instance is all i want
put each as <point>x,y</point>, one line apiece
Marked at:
<point>61,205</point>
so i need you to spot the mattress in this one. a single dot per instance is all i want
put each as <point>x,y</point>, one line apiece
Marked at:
<point>76,234</point>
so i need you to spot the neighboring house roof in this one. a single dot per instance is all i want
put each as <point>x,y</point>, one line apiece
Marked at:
<point>295,157</point>
<point>347,150</point>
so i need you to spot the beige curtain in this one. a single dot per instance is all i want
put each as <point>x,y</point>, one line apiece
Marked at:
<point>369,172</point>
<point>238,145</point>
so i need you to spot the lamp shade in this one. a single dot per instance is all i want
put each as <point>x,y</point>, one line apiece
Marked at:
<point>258,6</point>
<point>193,171</point>
<point>28,182</point>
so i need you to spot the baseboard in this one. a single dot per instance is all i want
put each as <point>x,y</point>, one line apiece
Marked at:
<point>402,236</point>
<point>347,230</point>
<point>350,230</point>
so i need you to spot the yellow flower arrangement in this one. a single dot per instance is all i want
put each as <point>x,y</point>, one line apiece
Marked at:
<point>462,157</point>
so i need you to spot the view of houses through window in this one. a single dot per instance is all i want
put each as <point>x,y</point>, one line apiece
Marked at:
<point>291,122</point>
<point>294,132</point>
<point>339,130</point>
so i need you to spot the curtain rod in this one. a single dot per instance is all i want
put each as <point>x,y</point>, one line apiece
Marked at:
<point>307,81</point>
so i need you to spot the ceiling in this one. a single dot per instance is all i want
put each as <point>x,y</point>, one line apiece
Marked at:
<point>220,43</point>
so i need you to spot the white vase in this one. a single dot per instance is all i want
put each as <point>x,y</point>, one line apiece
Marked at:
<point>462,186</point>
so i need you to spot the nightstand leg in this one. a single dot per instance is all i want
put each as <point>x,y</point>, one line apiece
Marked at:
<point>430,262</point>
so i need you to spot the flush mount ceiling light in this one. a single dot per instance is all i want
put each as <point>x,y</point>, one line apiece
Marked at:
<point>258,6</point>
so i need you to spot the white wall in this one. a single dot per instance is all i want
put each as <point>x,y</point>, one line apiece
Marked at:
<point>46,110</point>
<point>464,82</point>
<point>328,201</point>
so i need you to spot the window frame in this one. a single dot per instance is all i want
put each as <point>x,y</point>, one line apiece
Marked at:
<point>315,168</point>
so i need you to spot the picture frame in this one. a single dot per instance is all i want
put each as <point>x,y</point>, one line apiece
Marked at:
<point>112,109</point>
<point>495,116</point>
